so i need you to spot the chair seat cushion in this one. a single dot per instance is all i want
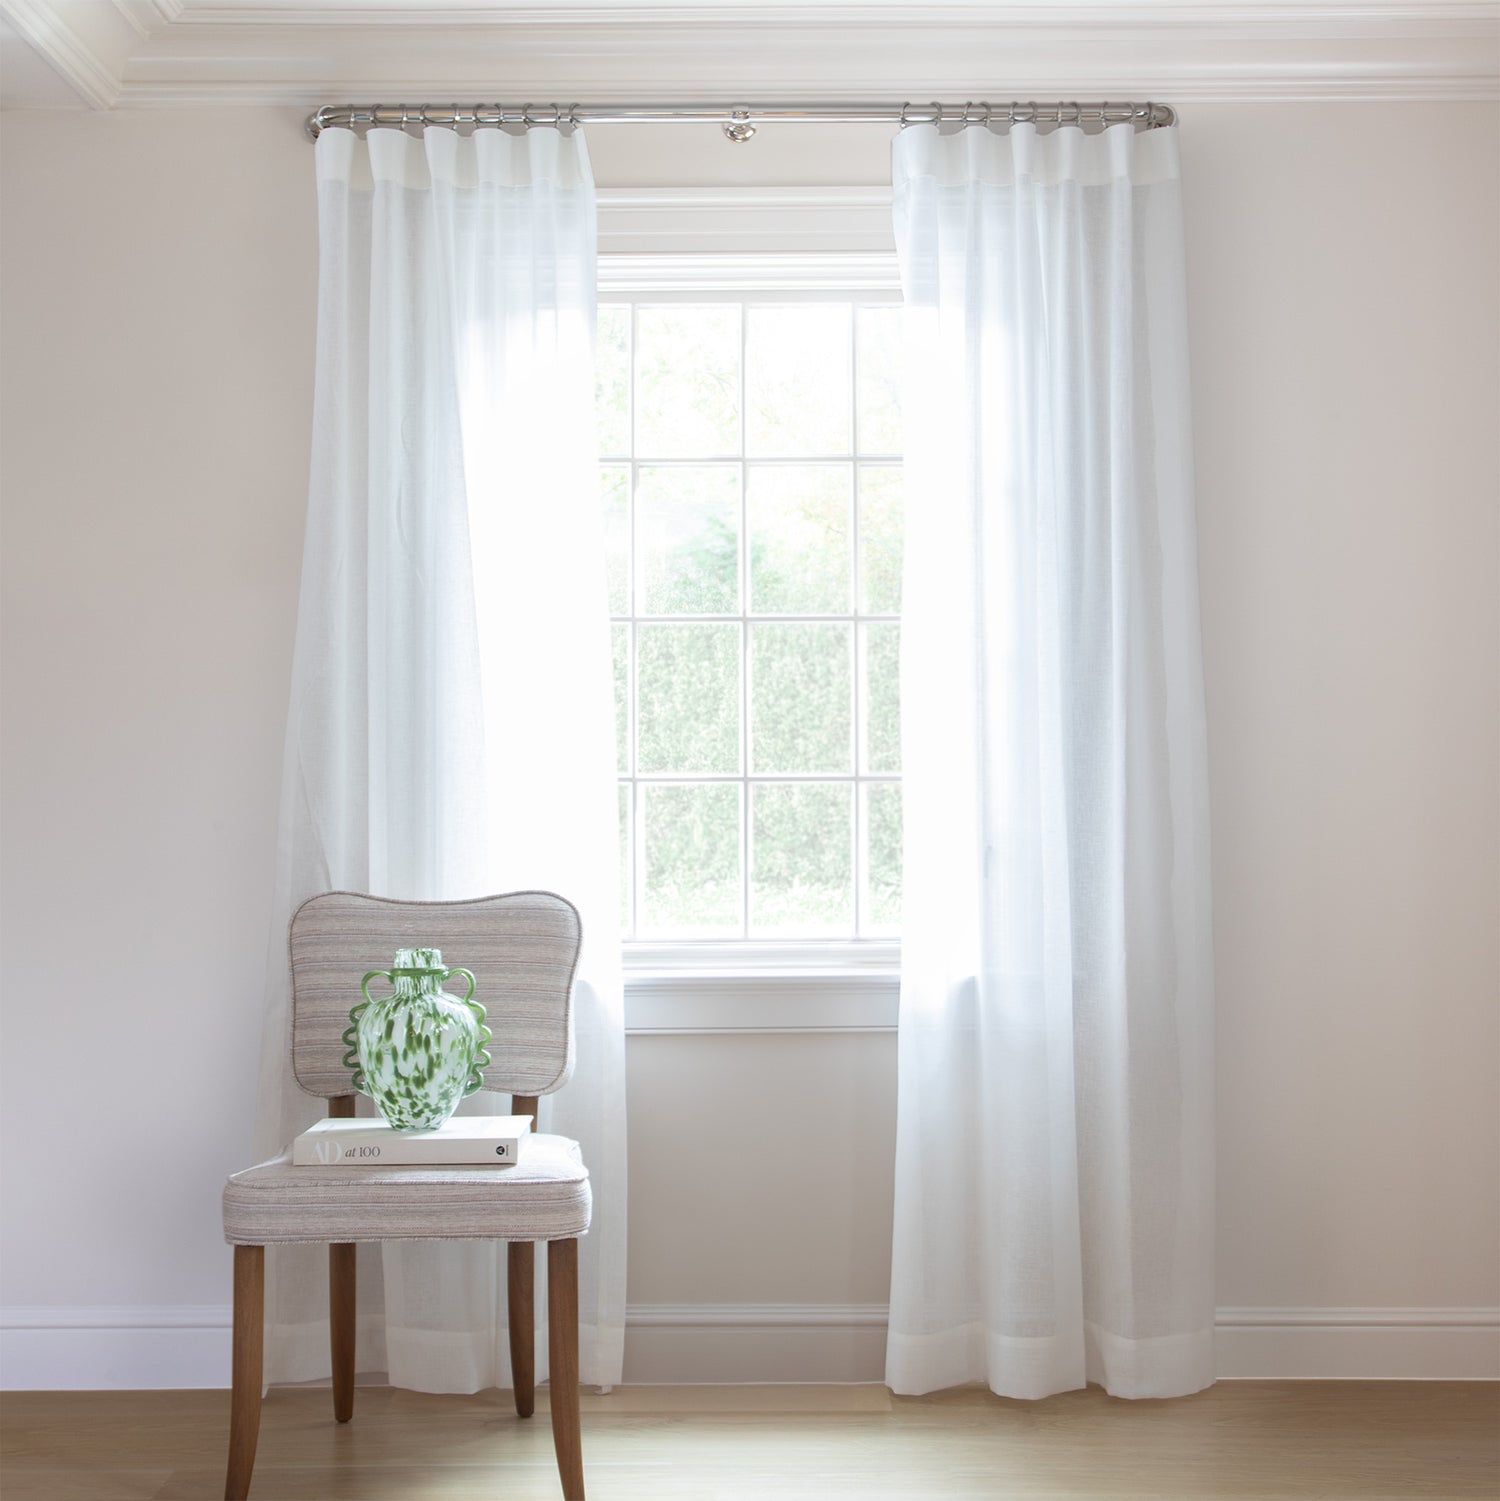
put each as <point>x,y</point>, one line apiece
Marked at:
<point>545,1196</point>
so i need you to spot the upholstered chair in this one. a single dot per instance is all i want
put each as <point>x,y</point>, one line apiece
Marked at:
<point>523,949</point>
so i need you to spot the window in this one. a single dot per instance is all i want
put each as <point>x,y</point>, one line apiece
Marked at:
<point>751,471</point>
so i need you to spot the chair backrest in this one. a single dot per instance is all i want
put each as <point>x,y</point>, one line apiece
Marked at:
<point>521,947</point>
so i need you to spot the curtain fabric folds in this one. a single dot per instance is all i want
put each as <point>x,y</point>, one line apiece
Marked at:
<point>1054,1185</point>
<point>450,731</point>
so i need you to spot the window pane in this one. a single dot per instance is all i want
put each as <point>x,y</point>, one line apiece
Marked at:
<point>612,379</point>
<point>627,860</point>
<point>692,860</point>
<point>620,635</point>
<point>799,539</point>
<point>880,527</point>
<point>800,698</point>
<point>754,558</point>
<point>802,878</point>
<point>614,481</point>
<point>882,697</point>
<point>688,699</point>
<point>687,381</point>
<point>797,380</point>
<point>687,521</point>
<point>878,374</point>
<point>882,894</point>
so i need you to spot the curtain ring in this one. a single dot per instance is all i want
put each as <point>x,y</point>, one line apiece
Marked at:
<point>526,119</point>
<point>573,119</point>
<point>901,119</point>
<point>987,113</point>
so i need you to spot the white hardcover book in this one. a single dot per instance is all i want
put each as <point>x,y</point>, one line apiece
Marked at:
<point>493,1139</point>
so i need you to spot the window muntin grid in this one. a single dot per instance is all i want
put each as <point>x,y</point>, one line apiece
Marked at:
<point>783,824</point>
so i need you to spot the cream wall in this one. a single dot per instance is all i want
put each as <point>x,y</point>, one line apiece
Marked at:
<point>158,285</point>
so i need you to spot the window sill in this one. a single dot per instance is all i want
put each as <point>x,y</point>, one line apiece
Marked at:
<point>699,987</point>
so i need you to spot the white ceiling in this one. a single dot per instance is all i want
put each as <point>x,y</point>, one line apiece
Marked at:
<point>105,54</point>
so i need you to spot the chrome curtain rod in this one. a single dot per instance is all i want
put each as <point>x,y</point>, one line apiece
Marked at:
<point>738,121</point>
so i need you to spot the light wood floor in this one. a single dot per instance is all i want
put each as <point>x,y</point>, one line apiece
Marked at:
<point>1368,1441</point>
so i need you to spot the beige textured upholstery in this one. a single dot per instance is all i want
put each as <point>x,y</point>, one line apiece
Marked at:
<point>544,1196</point>
<point>522,949</point>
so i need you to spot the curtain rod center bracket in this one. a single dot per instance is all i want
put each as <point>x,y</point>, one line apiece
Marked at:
<point>737,127</point>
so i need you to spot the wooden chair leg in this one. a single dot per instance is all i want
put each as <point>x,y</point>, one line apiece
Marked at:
<point>562,1333</point>
<point>341,1287</point>
<point>520,1259</point>
<point>249,1340</point>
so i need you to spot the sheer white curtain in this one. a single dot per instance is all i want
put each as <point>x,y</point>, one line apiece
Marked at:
<point>1054,1137</point>
<point>451,723</point>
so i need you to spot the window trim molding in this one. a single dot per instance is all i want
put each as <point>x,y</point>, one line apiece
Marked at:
<point>762,1003</point>
<point>688,242</point>
<point>690,273</point>
<point>746,238</point>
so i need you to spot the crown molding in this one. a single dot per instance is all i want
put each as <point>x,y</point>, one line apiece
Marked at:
<point>1275,17</point>
<point>145,16</point>
<point>57,41</point>
<point>178,53</point>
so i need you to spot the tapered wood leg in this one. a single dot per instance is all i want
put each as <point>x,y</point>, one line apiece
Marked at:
<point>249,1341</point>
<point>520,1264</point>
<point>562,1334</point>
<point>341,1288</point>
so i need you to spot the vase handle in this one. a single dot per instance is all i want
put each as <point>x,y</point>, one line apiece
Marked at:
<point>375,974</point>
<point>448,974</point>
<point>351,1032</point>
<point>475,1081</point>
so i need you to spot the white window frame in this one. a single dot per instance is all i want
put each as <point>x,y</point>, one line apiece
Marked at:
<point>692,242</point>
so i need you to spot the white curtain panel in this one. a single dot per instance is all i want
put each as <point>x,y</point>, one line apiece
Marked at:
<point>451,725</point>
<point>1054,1138</point>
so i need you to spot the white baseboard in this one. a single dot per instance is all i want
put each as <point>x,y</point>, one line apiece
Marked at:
<point>1358,1344</point>
<point>104,1348</point>
<point>693,1344</point>
<point>114,1348</point>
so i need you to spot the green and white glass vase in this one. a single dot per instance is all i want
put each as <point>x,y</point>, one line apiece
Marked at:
<point>418,1051</point>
